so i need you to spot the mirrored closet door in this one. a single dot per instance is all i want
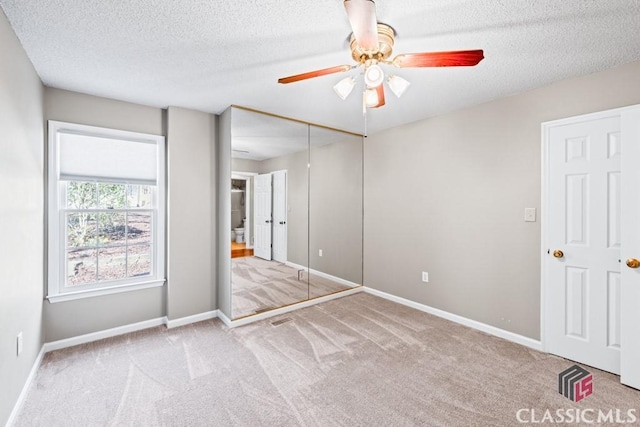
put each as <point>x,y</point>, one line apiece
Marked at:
<point>293,230</point>
<point>335,211</point>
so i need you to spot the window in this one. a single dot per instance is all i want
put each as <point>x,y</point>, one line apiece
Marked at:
<point>106,211</point>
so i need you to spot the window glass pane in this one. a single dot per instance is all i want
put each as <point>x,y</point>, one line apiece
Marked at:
<point>139,196</point>
<point>112,263</point>
<point>81,195</point>
<point>81,230</point>
<point>81,267</point>
<point>138,228</point>
<point>111,196</point>
<point>111,228</point>
<point>103,208</point>
<point>139,260</point>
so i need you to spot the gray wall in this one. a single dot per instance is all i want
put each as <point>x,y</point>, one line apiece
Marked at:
<point>21,216</point>
<point>191,222</point>
<point>91,110</point>
<point>335,208</point>
<point>72,318</point>
<point>223,243</point>
<point>447,196</point>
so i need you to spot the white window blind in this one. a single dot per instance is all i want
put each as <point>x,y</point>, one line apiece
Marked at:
<point>87,156</point>
<point>106,211</point>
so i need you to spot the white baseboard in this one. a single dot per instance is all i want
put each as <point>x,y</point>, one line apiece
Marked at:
<point>191,319</point>
<point>107,333</point>
<point>25,389</point>
<point>121,330</point>
<point>322,274</point>
<point>287,309</point>
<point>492,330</point>
<point>224,318</point>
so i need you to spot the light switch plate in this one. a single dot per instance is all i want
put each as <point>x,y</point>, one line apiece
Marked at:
<point>530,214</point>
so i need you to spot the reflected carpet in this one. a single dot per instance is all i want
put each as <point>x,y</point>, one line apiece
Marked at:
<point>259,285</point>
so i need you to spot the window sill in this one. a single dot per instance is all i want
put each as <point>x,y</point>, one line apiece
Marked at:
<point>70,296</point>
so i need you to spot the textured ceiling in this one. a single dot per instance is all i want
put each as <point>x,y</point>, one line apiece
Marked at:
<point>208,55</point>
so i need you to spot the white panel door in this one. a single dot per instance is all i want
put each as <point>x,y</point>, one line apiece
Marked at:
<point>583,291</point>
<point>262,217</point>
<point>630,226</point>
<point>280,216</point>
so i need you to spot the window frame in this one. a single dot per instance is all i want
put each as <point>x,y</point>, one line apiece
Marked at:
<point>57,290</point>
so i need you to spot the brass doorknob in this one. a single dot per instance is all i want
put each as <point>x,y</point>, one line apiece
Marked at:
<point>633,263</point>
<point>558,253</point>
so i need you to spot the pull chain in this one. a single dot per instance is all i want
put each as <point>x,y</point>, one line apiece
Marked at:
<point>364,111</point>
<point>365,123</point>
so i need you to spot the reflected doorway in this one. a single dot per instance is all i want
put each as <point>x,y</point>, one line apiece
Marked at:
<point>242,214</point>
<point>264,206</point>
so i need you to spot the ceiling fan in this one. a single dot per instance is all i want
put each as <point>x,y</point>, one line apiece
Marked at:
<point>371,44</point>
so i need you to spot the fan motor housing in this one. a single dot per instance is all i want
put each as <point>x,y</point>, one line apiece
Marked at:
<point>386,38</point>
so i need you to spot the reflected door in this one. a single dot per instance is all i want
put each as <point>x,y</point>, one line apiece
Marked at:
<point>262,217</point>
<point>583,300</point>
<point>280,216</point>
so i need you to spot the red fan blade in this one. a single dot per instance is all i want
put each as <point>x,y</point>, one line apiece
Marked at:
<point>460,58</point>
<point>312,74</point>
<point>362,17</point>
<point>380,90</point>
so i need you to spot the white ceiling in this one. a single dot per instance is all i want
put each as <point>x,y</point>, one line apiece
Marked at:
<point>208,55</point>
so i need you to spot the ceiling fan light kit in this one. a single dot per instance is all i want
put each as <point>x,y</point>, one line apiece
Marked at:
<point>370,97</point>
<point>373,75</point>
<point>397,84</point>
<point>344,87</point>
<point>371,45</point>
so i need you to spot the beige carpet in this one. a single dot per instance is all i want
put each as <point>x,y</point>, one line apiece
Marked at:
<point>355,361</point>
<point>259,285</point>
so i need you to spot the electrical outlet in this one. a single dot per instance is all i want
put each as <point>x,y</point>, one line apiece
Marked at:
<point>19,344</point>
<point>425,276</point>
<point>530,214</point>
<point>320,252</point>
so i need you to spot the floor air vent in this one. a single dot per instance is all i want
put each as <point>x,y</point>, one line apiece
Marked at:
<point>281,321</point>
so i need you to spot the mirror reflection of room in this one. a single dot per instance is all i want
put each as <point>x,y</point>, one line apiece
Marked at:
<point>265,272</point>
<point>335,209</point>
<point>270,212</point>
